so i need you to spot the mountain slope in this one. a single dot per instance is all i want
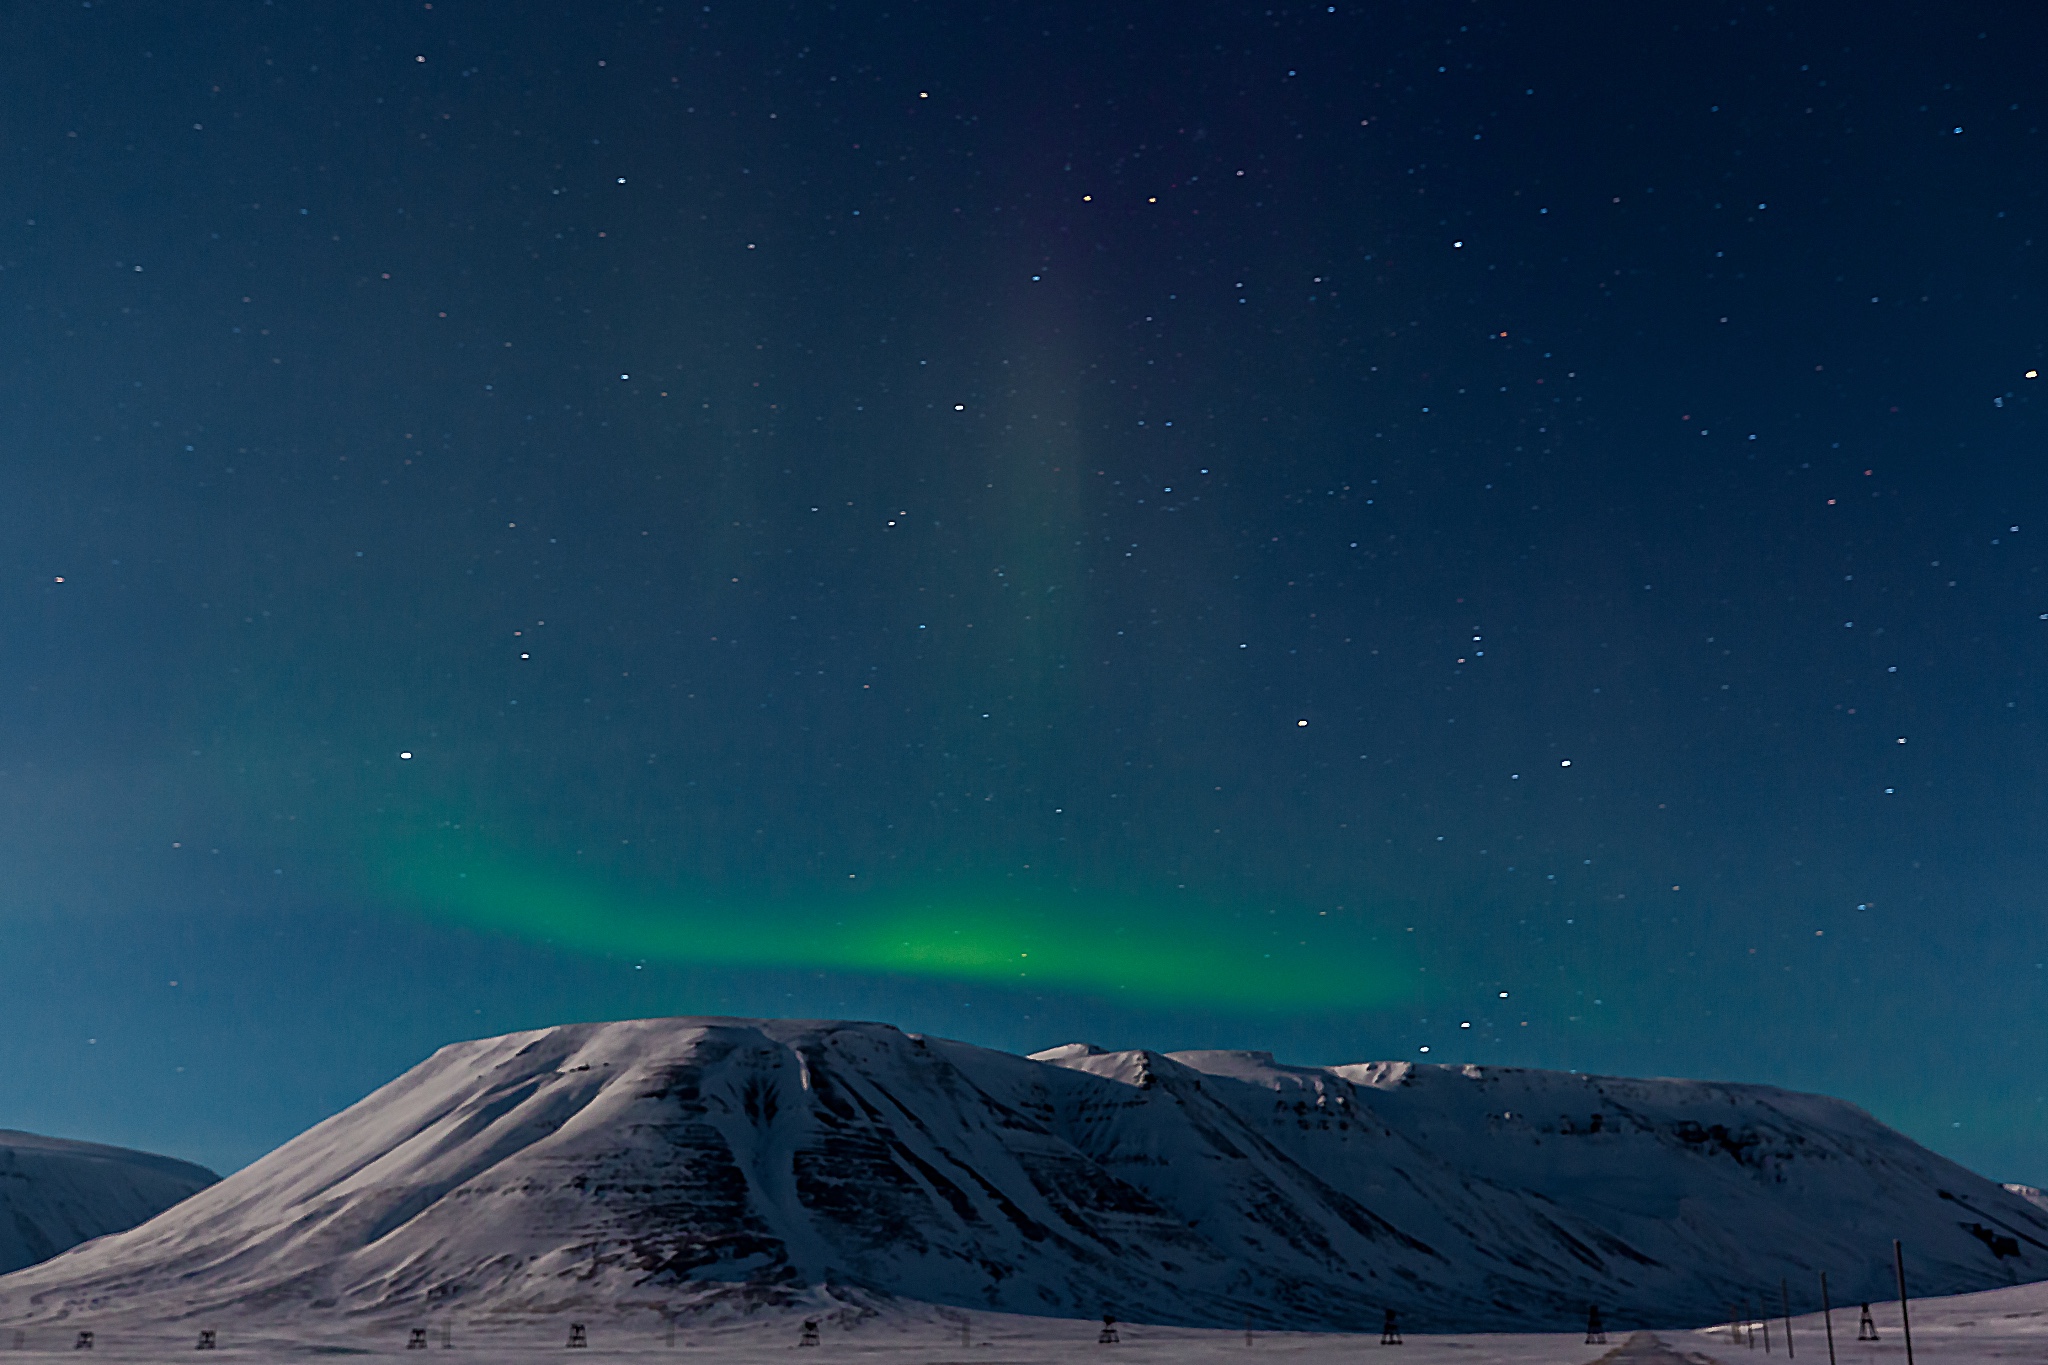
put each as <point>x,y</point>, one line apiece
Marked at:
<point>699,1165</point>
<point>55,1194</point>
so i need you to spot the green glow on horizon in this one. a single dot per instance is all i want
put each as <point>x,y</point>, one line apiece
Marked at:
<point>1102,946</point>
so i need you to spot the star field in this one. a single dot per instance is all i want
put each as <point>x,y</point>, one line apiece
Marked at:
<point>1359,530</point>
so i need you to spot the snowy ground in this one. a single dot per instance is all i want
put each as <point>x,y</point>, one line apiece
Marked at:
<point>996,1341</point>
<point>1998,1325</point>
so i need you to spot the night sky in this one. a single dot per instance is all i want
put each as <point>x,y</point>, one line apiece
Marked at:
<point>1479,532</point>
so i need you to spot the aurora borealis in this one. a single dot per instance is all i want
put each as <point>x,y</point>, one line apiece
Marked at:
<point>1128,951</point>
<point>1346,530</point>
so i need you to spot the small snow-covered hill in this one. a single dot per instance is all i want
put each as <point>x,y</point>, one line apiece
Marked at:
<point>55,1194</point>
<point>716,1166</point>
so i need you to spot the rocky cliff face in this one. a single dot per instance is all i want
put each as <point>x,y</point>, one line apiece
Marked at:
<point>713,1165</point>
<point>55,1194</point>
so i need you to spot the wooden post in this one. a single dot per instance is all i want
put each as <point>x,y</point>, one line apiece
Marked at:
<point>1827,1316</point>
<point>1785,1299</point>
<point>1905,1323</point>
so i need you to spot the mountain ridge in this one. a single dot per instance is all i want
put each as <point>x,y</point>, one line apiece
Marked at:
<point>710,1166</point>
<point>58,1192</point>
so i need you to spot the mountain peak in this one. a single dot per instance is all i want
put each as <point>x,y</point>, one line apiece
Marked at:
<point>717,1166</point>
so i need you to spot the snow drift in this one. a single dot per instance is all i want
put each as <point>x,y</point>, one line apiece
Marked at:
<point>719,1166</point>
<point>55,1194</point>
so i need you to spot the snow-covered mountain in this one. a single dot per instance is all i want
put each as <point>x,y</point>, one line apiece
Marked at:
<point>55,1194</point>
<point>2031,1193</point>
<point>709,1166</point>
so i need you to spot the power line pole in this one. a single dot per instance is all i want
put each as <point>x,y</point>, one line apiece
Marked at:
<point>1905,1323</point>
<point>1827,1316</point>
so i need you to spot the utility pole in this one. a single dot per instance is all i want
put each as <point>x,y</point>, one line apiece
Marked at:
<point>1827,1316</point>
<point>1905,1323</point>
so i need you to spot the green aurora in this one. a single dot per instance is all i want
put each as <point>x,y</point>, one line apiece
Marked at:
<point>1105,947</point>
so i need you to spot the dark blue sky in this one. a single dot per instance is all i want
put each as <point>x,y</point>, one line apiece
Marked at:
<point>1304,518</point>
